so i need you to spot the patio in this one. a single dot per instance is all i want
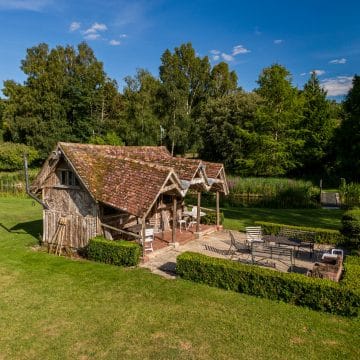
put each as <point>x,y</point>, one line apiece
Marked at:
<point>216,244</point>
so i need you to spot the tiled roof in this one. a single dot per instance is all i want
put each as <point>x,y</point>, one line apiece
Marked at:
<point>128,184</point>
<point>131,177</point>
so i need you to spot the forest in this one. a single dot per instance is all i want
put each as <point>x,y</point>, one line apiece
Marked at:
<point>192,107</point>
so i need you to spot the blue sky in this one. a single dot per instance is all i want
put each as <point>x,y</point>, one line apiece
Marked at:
<point>249,35</point>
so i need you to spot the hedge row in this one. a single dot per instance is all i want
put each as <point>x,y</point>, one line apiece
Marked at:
<point>352,273</point>
<point>322,236</point>
<point>122,253</point>
<point>317,294</point>
<point>351,228</point>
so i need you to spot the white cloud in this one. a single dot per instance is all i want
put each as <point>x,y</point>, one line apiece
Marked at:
<point>31,5</point>
<point>303,74</point>
<point>338,61</point>
<point>239,49</point>
<point>215,52</point>
<point>337,86</point>
<point>74,26</point>
<point>215,57</point>
<point>92,36</point>
<point>114,42</point>
<point>227,57</point>
<point>95,28</point>
<point>123,36</point>
<point>278,41</point>
<point>318,72</point>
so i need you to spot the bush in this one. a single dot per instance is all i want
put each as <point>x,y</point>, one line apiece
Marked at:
<point>351,228</point>
<point>11,156</point>
<point>210,218</point>
<point>317,294</point>
<point>122,253</point>
<point>349,194</point>
<point>322,236</point>
<point>352,273</point>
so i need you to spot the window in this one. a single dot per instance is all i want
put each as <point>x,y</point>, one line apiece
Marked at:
<point>68,178</point>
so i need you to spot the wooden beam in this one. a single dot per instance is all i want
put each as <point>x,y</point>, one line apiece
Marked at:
<point>143,235</point>
<point>198,211</point>
<point>217,209</point>
<point>119,230</point>
<point>174,220</point>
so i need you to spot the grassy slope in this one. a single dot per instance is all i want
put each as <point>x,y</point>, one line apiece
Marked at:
<point>56,308</point>
<point>238,218</point>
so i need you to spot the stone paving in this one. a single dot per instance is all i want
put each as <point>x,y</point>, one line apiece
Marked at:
<point>217,244</point>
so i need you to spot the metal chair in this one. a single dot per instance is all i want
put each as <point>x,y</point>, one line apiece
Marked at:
<point>253,233</point>
<point>238,247</point>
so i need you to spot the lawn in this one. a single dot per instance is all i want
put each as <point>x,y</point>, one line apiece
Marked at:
<point>239,218</point>
<point>57,308</point>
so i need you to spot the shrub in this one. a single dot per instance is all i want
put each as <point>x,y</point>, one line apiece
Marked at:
<point>317,294</point>
<point>11,156</point>
<point>352,273</point>
<point>349,194</point>
<point>322,236</point>
<point>351,227</point>
<point>210,218</point>
<point>122,253</point>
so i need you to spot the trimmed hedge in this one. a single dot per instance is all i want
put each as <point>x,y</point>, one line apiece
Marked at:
<point>317,294</point>
<point>351,227</point>
<point>352,273</point>
<point>122,253</point>
<point>322,236</point>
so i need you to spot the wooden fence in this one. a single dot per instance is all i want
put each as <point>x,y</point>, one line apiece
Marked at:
<point>78,229</point>
<point>12,188</point>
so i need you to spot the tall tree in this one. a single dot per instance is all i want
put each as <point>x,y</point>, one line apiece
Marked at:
<point>140,124</point>
<point>63,97</point>
<point>222,80</point>
<point>278,122</point>
<point>348,136</point>
<point>317,125</point>
<point>185,79</point>
<point>229,131</point>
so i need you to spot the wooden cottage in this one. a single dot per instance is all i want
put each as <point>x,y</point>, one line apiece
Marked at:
<point>89,190</point>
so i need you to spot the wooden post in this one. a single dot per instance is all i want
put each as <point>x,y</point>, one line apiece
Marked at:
<point>198,211</point>
<point>174,221</point>
<point>143,235</point>
<point>217,209</point>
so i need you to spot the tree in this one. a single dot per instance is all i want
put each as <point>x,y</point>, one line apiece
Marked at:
<point>222,81</point>
<point>139,123</point>
<point>229,131</point>
<point>185,78</point>
<point>348,135</point>
<point>278,122</point>
<point>317,126</point>
<point>65,97</point>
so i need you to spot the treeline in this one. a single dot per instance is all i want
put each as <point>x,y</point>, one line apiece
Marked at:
<point>191,107</point>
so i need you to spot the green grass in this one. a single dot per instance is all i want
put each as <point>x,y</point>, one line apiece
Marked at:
<point>57,308</point>
<point>239,218</point>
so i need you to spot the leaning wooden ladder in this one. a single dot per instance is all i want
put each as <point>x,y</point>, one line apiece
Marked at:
<point>57,240</point>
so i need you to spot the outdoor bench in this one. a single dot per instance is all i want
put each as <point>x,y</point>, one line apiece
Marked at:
<point>264,251</point>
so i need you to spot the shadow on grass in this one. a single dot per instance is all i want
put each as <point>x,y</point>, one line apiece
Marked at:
<point>33,228</point>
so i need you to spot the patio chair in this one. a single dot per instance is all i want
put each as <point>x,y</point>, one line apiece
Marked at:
<point>253,234</point>
<point>181,222</point>
<point>149,238</point>
<point>237,246</point>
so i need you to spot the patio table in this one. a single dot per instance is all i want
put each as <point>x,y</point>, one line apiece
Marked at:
<point>137,228</point>
<point>283,240</point>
